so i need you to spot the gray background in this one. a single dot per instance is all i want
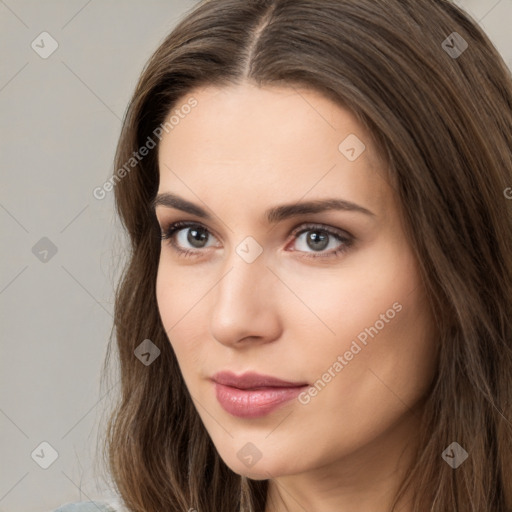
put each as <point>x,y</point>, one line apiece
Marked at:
<point>61,118</point>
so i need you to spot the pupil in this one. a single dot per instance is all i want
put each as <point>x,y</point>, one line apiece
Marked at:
<point>317,240</point>
<point>196,236</point>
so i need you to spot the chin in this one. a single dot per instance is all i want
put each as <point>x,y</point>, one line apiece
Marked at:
<point>263,469</point>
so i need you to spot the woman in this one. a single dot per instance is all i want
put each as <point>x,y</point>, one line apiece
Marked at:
<point>316,312</point>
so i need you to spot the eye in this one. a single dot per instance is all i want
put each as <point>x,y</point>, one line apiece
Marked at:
<point>313,240</point>
<point>182,233</point>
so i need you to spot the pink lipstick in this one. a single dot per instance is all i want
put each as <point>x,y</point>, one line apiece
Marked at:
<point>251,395</point>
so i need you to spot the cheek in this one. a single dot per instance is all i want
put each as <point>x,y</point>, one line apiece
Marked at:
<point>377,325</point>
<point>382,359</point>
<point>178,297</point>
<point>179,292</point>
<point>350,298</point>
<point>165,298</point>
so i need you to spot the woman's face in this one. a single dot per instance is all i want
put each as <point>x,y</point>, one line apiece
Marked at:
<point>282,283</point>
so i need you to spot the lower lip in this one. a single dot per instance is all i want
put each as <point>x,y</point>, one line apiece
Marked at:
<point>246,403</point>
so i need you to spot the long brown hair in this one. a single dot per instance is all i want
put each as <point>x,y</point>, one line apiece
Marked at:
<point>440,116</point>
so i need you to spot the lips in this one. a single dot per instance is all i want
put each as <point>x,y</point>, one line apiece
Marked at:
<point>252,395</point>
<point>252,380</point>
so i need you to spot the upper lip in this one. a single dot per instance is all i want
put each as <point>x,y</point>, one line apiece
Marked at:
<point>252,380</point>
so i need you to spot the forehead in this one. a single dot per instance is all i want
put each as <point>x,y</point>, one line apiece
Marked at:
<point>267,144</point>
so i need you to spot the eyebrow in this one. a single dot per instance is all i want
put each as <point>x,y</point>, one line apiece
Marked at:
<point>273,215</point>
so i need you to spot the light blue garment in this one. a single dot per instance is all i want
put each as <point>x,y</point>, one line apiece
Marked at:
<point>86,506</point>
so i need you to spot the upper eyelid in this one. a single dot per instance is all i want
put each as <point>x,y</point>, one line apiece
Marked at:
<point>310,226</point>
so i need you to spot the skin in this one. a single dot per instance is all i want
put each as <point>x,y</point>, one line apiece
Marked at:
<point>242,150</point>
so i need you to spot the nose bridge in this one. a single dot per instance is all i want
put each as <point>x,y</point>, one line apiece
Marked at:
<point>242,304</point>
<point>245,276</point>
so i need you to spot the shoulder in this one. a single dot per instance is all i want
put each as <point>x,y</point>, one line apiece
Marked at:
<point>86,506</point>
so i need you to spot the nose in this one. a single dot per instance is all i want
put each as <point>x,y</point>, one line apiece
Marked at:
<point>244,311</point>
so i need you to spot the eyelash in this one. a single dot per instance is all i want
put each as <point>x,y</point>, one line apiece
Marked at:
<point>171,229</point>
